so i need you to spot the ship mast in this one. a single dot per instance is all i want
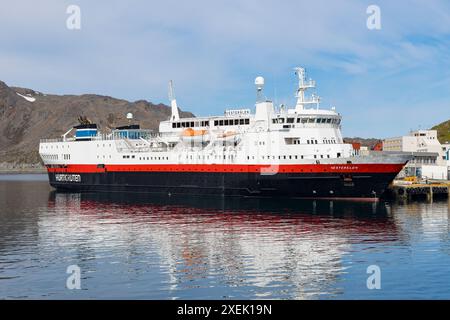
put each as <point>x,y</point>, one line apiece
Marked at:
<point>304,85</point>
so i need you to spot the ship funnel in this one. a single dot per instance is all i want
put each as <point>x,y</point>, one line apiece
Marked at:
<point>173,103</point>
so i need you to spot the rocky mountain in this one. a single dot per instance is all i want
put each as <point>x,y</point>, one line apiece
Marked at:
<point>27,116</point>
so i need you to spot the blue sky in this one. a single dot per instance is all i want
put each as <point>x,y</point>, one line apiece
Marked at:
<point>384,82</point>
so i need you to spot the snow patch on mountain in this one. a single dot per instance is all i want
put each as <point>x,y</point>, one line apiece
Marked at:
<point>27,97</point>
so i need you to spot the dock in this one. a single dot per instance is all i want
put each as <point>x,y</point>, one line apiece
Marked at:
<point>418,191</point>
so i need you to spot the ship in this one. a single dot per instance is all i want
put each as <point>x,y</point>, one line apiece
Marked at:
<point>265,151</point>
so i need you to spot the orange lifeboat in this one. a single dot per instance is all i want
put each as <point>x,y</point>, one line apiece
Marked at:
<point>189,132</point>
<point>195,136</point>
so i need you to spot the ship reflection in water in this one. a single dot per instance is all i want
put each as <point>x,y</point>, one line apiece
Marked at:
<point>284,249</point>
<point>161,247</point>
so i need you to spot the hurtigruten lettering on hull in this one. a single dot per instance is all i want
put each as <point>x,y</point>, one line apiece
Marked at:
<point>273,151</point>
<point>68,177</point>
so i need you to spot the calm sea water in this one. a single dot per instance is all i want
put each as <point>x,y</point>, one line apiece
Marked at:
<point>161,247</point>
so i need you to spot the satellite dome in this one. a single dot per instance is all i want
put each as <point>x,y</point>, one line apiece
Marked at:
<point>129,116</point>
<point>259,82</point>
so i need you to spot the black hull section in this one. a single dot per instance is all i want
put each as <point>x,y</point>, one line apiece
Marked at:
<point>301,185</point>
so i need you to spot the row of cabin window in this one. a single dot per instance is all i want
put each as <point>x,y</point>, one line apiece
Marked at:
<point>154,158</point>
<point>315,141</point>
<point>50,156</point>
<point>190,124</point>
<point>291,157</point>
<point>66,156</point>
<point>144,158</point>
<point>207,157</point>
<point>307,120</point>
<point>231,122</point>
<point>231,157</point>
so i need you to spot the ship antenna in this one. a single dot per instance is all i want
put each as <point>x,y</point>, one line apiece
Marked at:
<point>173,103</point>
<point>304,85</point>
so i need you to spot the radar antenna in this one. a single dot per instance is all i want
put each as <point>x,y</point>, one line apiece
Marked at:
<point>173,103</point>
<point>304,85</point>
<point>259,83</point>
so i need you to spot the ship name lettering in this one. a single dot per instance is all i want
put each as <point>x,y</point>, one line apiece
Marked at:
<point>68,178</point>
<point>344,167</point>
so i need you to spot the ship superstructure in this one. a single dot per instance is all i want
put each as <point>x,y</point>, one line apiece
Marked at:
<point>273,151</point>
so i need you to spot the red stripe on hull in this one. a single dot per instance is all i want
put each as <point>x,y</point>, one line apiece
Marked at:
<point>298,168</point>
